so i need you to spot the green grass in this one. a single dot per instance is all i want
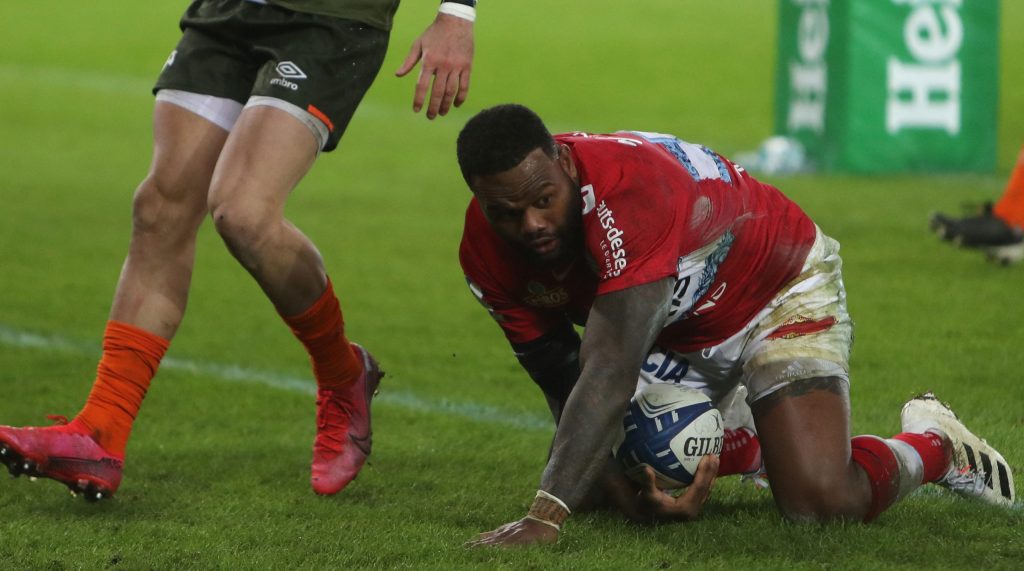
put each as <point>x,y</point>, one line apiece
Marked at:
<point>217,474</point>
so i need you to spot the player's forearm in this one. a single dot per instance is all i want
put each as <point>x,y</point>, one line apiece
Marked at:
<point>621,328</point>
<point>585,433</point>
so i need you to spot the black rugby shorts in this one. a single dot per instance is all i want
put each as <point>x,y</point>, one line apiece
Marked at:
<point>235,49</point>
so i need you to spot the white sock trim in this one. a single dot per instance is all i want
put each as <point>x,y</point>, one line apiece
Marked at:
<point>911,467</point>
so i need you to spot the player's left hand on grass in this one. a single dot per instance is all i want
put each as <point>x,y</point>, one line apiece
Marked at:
<point>527,531</point>
<point>659,505</point>
<point>446,48</point>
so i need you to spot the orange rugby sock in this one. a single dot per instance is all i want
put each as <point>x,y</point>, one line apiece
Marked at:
<point>321,329</point>
<point>130,359</point>
<point>1011,205</point>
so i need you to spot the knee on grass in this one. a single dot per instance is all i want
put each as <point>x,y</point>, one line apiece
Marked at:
<point>821,500</point>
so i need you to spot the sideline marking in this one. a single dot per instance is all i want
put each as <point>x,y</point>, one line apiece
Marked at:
<point>126,84</point>
<point>129,84</point>
<point>486,414</point>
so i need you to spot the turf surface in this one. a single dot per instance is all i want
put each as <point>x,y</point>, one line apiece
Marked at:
<point>217,472</point>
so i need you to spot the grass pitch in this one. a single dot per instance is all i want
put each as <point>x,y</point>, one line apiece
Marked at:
<point>217,471</point>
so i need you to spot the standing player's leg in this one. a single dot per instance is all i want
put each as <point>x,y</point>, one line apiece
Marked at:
<point>1010,206</point>
<point>168,208</point>
<point>300,103</point>
<point>266,156</point>
<point>998,229</point>
<point>169,205</point>
<point>1010,209</point>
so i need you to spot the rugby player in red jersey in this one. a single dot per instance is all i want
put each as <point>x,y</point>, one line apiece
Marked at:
<point>667,252</point>
<point>253,93</point>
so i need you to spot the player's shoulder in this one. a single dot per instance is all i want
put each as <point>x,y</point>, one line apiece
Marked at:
<point>611,162</point>
<point>476,235</point>
<point>617,143</point>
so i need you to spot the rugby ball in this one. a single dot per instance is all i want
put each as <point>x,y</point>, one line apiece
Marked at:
<point>668,427</point>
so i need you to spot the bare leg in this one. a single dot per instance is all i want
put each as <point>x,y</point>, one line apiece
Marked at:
<point>168,209</point>
<point>87,454</point>
<point>265,157</point>
<point>805,441</point>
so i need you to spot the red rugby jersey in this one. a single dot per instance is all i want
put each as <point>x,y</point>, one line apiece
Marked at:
<point>653,207</point>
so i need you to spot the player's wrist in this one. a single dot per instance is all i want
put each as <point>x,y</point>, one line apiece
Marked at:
<point>549,510</point>
<point>464,9</point>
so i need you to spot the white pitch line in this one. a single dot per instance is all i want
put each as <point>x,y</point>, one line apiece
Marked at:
<point>127,84</point>
<point>131,85</point>
<point>18,339</point>
<point>119,83</point>
<point>123,84</point>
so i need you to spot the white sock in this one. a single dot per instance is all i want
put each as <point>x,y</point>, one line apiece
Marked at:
<point>911,467</point>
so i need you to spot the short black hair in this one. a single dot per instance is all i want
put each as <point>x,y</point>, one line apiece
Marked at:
<point>499,138</point>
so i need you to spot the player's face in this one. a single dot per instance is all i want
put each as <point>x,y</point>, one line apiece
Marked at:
<point>535,206</point>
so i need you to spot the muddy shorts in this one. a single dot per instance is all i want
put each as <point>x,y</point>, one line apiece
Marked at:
<point>804,333</point>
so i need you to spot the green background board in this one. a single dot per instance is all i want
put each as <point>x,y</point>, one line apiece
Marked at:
<point>873,86</point>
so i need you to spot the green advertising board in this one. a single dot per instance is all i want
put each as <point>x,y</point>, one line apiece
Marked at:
<point>890,85</point>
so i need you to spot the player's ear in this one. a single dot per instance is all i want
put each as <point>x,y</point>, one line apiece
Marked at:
<point>566,162</point>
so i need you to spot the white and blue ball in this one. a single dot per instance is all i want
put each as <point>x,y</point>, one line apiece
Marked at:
<point>668,427</point>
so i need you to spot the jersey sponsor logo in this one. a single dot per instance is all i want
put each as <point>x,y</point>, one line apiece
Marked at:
<point>666,365</point>
<point>288,70</point>
<point>540,296</point>
<point>615,259</point>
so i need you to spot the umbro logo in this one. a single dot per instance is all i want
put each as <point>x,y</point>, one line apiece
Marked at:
<point>289,70</point>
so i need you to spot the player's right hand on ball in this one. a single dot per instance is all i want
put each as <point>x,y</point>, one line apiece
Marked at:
<point>660,505</point>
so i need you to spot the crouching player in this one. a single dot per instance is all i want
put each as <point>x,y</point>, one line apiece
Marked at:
<point>680,264</point>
